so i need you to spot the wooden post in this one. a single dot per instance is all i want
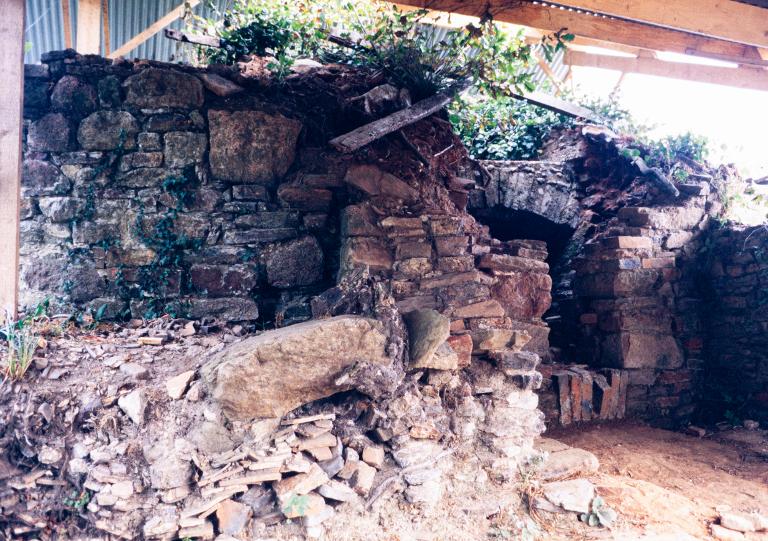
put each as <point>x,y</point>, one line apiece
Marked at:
<point>105,25</point>
<point>67,24</point>
<point>88,27</point>
<point>12,90</point>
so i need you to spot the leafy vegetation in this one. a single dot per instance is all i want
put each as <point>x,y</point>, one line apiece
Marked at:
<point>379,37</point>
<point>600,515</point>
<point>503,128</point>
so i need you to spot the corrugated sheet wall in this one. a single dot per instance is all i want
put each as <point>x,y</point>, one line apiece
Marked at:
<point>45,27</point>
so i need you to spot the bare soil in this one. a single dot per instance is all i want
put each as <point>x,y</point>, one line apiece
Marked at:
<point>667,485</point>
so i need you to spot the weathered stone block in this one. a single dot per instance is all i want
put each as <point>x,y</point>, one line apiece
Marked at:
<point>73,97</point>
<point>228,309</point>
<point>462,345</point>
<point>251,146</point>
<point>258,236</point>
<point>361,251</point>
<point>295,263</point>
<point>49,134</point>
<point>154,88</point>
<point>375,182</point>
<point>277,371</point>
<point>249,192</point>
<point>427,330</point>
<point>184,148</point>
<point>637,350</point>
<point>451,246</point>
<point>490,308</point>
<point>510,263</point>
<point>220,281</point>
<point>60,209</point>
<point>108,130</point>
<point>524,295</point>
<point>149,141</point>
<point>42,178</point>
<point>136,160</point>
<point>360,221</point>
<point>630,243</point>
<point>303,198</point>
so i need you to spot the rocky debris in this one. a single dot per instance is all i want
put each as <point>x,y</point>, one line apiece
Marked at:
<point>177,385</point>
<point>271,374</point>
<point>134,405</point>
<point>569,463</point>
<point>573,495</point>
<point>744,522</point>
<point>725,534</point>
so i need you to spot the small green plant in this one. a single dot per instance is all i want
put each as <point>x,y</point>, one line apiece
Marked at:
<point>600,515</point>
<point>296,505</point>
<point>21,341</point>
<point>78,500</point>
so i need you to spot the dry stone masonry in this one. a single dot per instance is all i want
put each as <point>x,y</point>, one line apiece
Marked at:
<point>399,310</point>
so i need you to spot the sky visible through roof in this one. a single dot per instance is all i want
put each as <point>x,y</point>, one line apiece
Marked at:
<point>735,120</point>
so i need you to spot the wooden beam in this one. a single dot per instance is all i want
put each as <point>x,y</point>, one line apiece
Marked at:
<point>67,22</point>
<point>722,19</point>
<point>741,77</point>
<point>599,28</point>
<point>88,27</point>
<point>559,106</point>
<point>12,90</point>
<point>105,25</point>
<point>358,138</point>
<point>153,29</point>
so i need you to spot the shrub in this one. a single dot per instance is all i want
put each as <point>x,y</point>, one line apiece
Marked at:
<point>504,128</point>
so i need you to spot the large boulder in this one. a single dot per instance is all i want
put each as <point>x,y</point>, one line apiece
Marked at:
<point>271,374</point>
<point>251,146</point>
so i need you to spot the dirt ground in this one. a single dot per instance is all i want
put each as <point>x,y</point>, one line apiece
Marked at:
<point>667,485</point>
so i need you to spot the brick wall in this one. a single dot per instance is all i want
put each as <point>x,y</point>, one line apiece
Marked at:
<point>737,323</point>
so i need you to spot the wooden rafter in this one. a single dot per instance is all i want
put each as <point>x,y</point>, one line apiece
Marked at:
<point>722,19</point>
<point>742,77</point>
<point>153,29</point>
<point>12,90</point>
<point>599,28</point>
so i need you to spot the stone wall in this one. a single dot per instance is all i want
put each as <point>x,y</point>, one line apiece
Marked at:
<point>146,192</point>
<point>737,323</point>
<point>152,188</point>
<point>626,291</point>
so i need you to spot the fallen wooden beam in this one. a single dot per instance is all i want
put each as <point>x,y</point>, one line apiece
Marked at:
<point>358,138</point>
<point>559,106</point>
<point>197,39</point>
